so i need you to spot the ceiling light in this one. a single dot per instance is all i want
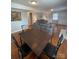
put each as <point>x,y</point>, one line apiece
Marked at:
<point>33,2</point>
<point>51,9</point>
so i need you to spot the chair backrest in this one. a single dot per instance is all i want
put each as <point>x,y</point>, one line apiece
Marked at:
<point>41,24</point>
<point>22,27</point>
<point>21,42</point>
<point>61,38</point>
<point>14,39</point>
<point>51,50</point>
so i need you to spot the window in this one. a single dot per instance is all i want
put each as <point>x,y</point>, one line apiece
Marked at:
<point>55,16</point>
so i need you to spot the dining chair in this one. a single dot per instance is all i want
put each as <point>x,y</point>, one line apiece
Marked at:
<point>51,51</point>
<point>23,50</point>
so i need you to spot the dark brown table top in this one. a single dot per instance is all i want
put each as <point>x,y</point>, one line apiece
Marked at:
<point>36,39</point>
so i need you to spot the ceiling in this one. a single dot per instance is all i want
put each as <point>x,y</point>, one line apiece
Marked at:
<point>44,5</point>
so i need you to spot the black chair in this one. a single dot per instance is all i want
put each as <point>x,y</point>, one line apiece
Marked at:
<point>23,50</point>
<point>51,51</point>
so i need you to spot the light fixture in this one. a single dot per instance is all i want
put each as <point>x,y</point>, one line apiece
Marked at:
<point>51,9</point>
<point>33,2</point>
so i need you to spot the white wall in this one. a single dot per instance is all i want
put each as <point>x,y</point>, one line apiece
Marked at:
<point>62,17</point>
<point>16,25</point>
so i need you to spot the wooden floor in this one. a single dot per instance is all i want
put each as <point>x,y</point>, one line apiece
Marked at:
<point>62,53</point>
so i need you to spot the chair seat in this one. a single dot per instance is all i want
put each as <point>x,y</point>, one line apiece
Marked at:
<point>25,49</point>
<point>50,50</point>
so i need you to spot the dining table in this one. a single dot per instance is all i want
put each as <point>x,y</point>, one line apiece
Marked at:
<point>36,39</point>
